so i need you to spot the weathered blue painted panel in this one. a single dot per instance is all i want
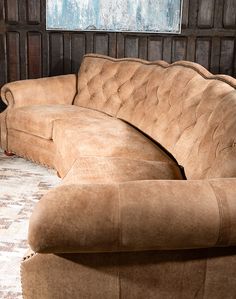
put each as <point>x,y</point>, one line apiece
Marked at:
<point>115,15</point>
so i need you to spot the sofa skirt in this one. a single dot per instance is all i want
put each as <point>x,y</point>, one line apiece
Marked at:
<point>201,273</point>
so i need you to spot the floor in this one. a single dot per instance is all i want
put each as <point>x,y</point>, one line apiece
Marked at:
<point>22,183</point>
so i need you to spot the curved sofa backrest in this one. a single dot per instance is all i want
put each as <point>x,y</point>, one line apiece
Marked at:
<point>182,106</point>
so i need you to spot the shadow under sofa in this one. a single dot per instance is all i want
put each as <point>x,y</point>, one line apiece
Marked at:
<point>125,221</point>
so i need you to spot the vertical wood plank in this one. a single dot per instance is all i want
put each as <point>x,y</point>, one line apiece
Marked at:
<point>206,13</point>
<point>191,48</point>
<point>56,54</point>
<point>45,41</point>
<point>13,56</point>
<point>227,56</point>
<point>179,49</point>
<point>167,49</point>
<point>101,44</point>
<point>203,49</point>
<point>67,52</point>
<point>218,14</point>
<point>89,42</point>
<point>120,45</point>
<point>131,46</point>
<point>46,52</point>
<point>22,5</point>
<point>155,48</point>
<point>12,11</point>
<point>23,55</point>
<point>143,51</point>
<point>185,13</point>
<point>33,11</point>
<point>34,55</point>
<point>215,55</point>
<point>112,44</point>
<point>193,13</point>
<point>2,11</point>
<point>3,57</point>
<point>229,18</point>
<point>78,47</point>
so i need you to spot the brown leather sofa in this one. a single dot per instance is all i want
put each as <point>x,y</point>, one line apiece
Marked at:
<point>126,221</point>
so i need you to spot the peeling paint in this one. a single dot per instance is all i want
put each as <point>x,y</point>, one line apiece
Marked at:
<point>115,15</point>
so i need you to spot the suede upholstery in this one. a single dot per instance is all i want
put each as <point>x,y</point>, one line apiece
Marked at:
<point>182,214</point>
<point>98,170</point>
<point>202,273</point>
<point>125,222</point>
<point>102,136</point>
<point>38,120</point>
<point>182,106</point>
<point>59,89</point>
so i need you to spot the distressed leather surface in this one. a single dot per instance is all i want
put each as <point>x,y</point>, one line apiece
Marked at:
<point>39,120</point>
<point>3,130</point>
<point>51,90</point>
<point>98,170</point>
<point>43,91</point>
<point>180,274</point>
<point>31,147</point>
<point>97,134</point>
<point>135,216</point>
<point>182,106</point>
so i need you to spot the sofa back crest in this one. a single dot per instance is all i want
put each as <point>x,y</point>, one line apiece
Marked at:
<point>182,106</point>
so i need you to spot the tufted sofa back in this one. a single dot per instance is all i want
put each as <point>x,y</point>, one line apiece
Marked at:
<point>182,106</point>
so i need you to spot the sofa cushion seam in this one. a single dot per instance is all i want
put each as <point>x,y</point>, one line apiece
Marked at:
<point>223,238</point>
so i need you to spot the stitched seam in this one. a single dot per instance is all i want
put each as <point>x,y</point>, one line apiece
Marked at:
<point>155,142</point>
<point>76,88</point>
<point>30,134</point>
<point>31,159</point>
<point>220,212</point>
<point>29,256</point>
<point>75,160</point>
<point>21,282</point>
<point>223,238</point>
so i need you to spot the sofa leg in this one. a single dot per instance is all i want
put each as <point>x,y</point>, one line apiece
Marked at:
<point>58,174</point>
<point>9,154</point>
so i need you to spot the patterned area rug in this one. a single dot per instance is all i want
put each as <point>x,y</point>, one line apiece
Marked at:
<point>22,184</point>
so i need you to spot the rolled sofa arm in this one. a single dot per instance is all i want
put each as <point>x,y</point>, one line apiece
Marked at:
<point>50,90</point>
<point>135,216</point>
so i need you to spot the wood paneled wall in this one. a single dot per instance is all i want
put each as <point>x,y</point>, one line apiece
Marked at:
<point>27,50</point>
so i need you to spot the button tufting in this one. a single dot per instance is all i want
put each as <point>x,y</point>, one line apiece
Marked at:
<point>145,90</point>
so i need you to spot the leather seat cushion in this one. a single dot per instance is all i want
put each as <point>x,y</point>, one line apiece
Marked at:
<point>38,120</point>
<point>100,170</point>
<point>103,136</point>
